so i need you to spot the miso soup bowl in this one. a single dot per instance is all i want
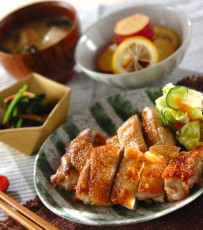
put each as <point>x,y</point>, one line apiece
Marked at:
<point>56,61</point>
<point>100,34</point>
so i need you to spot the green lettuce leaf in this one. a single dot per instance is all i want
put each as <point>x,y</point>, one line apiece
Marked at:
<point>189,135</point>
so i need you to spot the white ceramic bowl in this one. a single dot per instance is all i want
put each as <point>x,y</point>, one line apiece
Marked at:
<point>101,33</point>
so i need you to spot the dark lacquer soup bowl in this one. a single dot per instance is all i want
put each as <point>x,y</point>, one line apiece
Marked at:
<point>40,38</point>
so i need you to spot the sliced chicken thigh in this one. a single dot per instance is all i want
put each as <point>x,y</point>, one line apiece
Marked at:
<point>127,179</point>
<point>105,161</point>
<point>130,134</point>
<point>76,156</point>
<point>151,184</point>
<point>155,131</point>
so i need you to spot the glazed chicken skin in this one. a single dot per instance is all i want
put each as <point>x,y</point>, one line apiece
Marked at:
<point>155,131</point>
<point>151,185</point>
<point>105,161</point>
<point>128,177</point>
<point>114,141</point>
<point>76,156</point>
<point>82,187</point>
<point>123,169</point>
<point>130,134</point>
<point>173,186</point>
<point>182,173</point>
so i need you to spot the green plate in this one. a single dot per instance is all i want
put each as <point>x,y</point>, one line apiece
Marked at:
<point>105,116</point>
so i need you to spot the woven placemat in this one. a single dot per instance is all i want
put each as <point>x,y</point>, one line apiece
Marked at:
<point>188,217</point>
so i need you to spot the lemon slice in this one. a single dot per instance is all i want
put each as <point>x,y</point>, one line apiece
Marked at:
<point>133,54</point>
<point>171,35</point>
<point>105,59</point>
<point>164,46</point>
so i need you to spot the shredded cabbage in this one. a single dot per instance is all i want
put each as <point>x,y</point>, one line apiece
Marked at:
<point>166,88</point>
<point>189,135</point>
<point>187,120</point>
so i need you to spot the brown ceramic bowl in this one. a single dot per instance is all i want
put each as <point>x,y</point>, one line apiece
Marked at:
<point>56,61</point>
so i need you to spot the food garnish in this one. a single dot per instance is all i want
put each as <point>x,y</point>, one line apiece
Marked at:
<point>145,161</point>
<point>166,33</point>
<point>133,54</point>
<point>164,47</point>
<point>181,110</point>
<point>134,25</point>
<point>141,162</point>
<point>159,42</point>
<point>4,183</point>
<point>25,109</point>
<point>105,59</point>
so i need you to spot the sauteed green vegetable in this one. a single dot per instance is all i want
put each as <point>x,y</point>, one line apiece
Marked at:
<point>25,109</point>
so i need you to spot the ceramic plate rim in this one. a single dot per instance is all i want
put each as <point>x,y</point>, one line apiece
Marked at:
<point>133,220</point>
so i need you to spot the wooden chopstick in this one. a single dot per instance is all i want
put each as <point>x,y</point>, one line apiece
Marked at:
<point>34,222</point>
<point>19,217</point>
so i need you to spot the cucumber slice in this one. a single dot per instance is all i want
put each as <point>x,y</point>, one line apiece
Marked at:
<point>167,116</point>
<point>163,118</point>
<point>176,96</point>
<point>180,117</point>
<point>171,116</point>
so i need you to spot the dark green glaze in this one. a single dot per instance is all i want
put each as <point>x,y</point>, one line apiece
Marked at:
<point>48,197</point>
<point>122,107</point>
<point>55,206</point>
<point>154,207</point>
<point>154,93</point>
<point>44,166</point>
<point>122,211</point>
<point>58,143</point>
<point>71,129</point>
<point>105,122</point>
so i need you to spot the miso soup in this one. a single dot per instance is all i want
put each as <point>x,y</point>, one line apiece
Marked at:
<point>36,35</point>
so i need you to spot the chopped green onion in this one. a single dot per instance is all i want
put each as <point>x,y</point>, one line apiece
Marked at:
<point>15,112</point>
<point>13,103</point>
<point>19,123</point>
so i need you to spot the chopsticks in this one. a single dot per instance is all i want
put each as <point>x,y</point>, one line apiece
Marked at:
<point>24,216</point>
